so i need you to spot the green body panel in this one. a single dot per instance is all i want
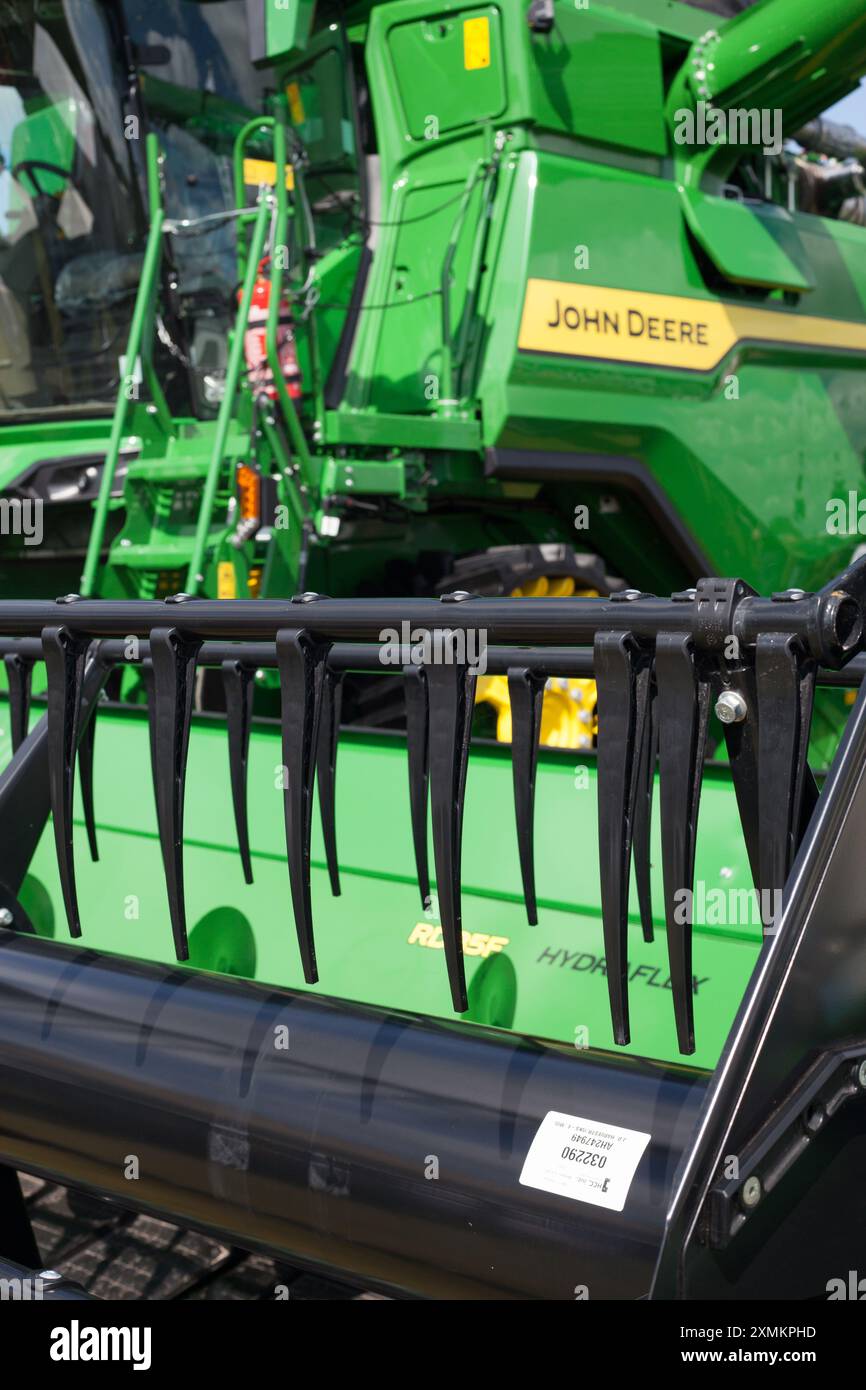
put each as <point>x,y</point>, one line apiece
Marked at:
<point>546,981</point>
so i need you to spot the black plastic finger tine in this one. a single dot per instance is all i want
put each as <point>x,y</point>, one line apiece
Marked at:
<point>103,672</point>
<point>65,655</point>
<point>86,745</point>
<point>526,697</point>
<point>642,826</point>
<point>682,712</point>
<point>173,657</point>
<point>741,742</point>
<point>451,691</point>
<point>622,673</point>
<point>238,689</point>
<point>301,663</point>
<point>147,681</point>
<point>786,684</point>
<point>326,769</point>
<point>418,754</point>
<point>19,677</point>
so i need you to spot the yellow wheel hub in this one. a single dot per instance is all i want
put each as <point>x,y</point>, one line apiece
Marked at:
<point>569,718</point>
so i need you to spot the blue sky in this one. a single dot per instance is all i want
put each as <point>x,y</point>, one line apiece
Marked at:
<point>851,111</point>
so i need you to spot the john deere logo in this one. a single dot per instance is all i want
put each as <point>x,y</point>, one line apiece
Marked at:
<point>663,330</point>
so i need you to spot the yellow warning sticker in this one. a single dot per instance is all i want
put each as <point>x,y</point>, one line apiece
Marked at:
<point>660,330</point>
<point>259,171</point>
<point>296,105</point>
<point>476,43</point>
<point>226,587</point>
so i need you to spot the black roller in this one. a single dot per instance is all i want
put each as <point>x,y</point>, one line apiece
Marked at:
<point>383,1145</point>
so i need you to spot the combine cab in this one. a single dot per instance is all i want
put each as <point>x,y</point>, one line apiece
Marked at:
<point>419,899</point>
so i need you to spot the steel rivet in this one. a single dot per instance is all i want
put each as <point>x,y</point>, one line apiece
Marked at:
<point>751,1192</point>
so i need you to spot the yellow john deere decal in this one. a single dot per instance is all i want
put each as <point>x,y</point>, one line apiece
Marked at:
<point>661,330</point>
<point>476,43</point>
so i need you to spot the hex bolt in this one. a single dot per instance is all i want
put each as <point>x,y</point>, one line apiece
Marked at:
<point>751,1193</point>
<point>731,708</point>
<point>6,918</point>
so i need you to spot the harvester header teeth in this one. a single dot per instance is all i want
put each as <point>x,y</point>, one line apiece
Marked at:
<point>786,688</point>
<point>526,697</point>
<point>238,689</point>
<point>642,820</point>
<point>326,769</point>
<point>19,672</point>
<point>682,708</point>
<point>65,654</point>
<point>103,672</point>
<point>451,688</point>
<point>301,662</point>
<point>418,757</point>
<point>174,662</point>
<point>623,673</point>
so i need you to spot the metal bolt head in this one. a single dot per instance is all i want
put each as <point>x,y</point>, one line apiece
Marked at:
<point>731,708</point>
<point>751,1193</point>
<point>814,1118</point>
<point>6,918</point>
<point>861,1074</point>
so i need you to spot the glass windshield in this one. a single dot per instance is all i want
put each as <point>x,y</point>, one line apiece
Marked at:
<point>71,225</point>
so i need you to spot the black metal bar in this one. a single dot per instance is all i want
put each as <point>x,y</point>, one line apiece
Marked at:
<point>363,658</point>
<point>829,624</point>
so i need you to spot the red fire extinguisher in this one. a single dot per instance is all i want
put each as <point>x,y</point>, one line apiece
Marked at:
<point>261,377</point>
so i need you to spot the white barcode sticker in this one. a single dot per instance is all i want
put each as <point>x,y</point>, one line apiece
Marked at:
<point>583,1159</point>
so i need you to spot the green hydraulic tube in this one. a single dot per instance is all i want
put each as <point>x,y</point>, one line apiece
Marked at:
<point>233,371</point>
<point>140,316</point>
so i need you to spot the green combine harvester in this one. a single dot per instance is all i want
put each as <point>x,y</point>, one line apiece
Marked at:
<point>381,387</point>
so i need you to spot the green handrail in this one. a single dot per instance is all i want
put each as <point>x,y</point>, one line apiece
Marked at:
<point>243,135</point>
<point>140,315</point>
<point>290,414</point>
<point>233,371</point>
